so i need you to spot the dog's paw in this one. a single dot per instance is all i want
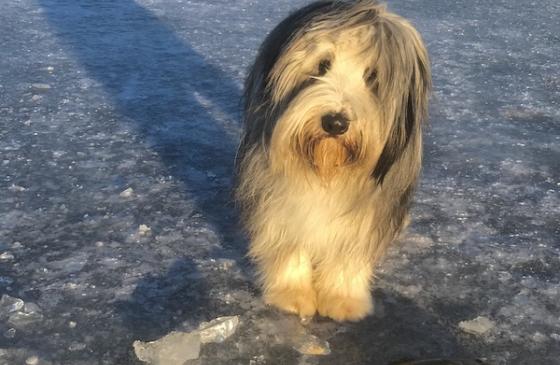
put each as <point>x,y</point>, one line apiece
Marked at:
<point>344,308</point>
<point>300,302</point>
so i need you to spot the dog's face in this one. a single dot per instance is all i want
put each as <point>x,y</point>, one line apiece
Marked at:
<point>338,86</point>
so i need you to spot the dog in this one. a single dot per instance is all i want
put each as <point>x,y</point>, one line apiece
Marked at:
<point>334,106</point>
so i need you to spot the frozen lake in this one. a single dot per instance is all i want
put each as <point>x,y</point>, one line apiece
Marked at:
<point>118,127</point>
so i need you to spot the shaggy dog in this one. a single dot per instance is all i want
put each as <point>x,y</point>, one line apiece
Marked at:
<point>331,151</point>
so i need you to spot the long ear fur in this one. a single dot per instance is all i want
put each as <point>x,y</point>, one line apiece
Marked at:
<point>405,67</point>
<point>257,101</point>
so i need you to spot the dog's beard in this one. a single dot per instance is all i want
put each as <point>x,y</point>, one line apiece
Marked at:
<point>327,155</point>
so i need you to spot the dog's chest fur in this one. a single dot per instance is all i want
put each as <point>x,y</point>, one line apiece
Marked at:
<point>319,216</point>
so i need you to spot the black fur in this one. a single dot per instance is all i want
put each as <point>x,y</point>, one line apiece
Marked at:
<point>405,126</point>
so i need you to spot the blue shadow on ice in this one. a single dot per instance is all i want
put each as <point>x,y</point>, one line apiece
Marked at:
<point>160,86</point>
<point>163,89</point>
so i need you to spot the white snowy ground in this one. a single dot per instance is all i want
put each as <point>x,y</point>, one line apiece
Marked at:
<point>118,125</point>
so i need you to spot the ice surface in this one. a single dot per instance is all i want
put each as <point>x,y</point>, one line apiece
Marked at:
<point>119,114</point>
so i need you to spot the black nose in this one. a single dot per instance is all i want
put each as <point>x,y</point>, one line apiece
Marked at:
<point>334,123</point>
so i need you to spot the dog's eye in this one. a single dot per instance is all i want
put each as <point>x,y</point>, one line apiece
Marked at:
<point>324,66</point>
<point>370,75</point>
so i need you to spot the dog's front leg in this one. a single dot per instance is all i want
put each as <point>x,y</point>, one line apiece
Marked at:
<point>343,289</point>
<point>287,282</point>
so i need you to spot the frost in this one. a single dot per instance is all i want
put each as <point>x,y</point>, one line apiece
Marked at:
<point>478,326</point>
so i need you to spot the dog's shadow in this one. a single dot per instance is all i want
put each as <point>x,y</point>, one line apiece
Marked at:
<point>398,332</point>
<point>183,108</point>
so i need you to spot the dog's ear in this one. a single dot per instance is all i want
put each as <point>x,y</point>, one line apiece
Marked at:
<point>257,99</point>
<point>407,80</point>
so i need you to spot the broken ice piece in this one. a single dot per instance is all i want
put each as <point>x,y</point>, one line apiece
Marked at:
<point>28,314</point>
<point>10,333</point>
<point>6,256</point>
<point>10,304</point>
<point>217,330</point>
<point>173,349</point>
<point>127,193</point>
<point>478,326</point>
<point>32,360</point>
<point>305,320</point>
<point>144,230</point>
<point>312,345</point>
<point>40,86</point>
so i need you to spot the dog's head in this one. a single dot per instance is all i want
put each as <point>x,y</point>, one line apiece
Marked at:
<point>338,85</point>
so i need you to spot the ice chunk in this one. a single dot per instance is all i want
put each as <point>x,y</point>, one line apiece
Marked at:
<point>127,193</point>
<point>312,345</point>
<point>76,346</point>
<point>539,337</point>
<point>173,349</point>
<point>16,188</point>
<point>478,326</point>
<point>20,313</point>
<point>40,86</point>
<point>10,333</point>
<point>178,347</point>
<point>6,256</point>
<point>10,304</point>
<point>144,230</point>
<point>32,360</point>
<point>217,330</point>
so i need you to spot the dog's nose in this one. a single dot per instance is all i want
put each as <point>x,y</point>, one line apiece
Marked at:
<point>334,123</point>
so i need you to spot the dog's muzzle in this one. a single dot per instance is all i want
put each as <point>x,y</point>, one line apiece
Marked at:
<point>334,123</point>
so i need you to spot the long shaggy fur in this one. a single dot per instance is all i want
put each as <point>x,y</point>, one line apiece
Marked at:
<point>321,209</point>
